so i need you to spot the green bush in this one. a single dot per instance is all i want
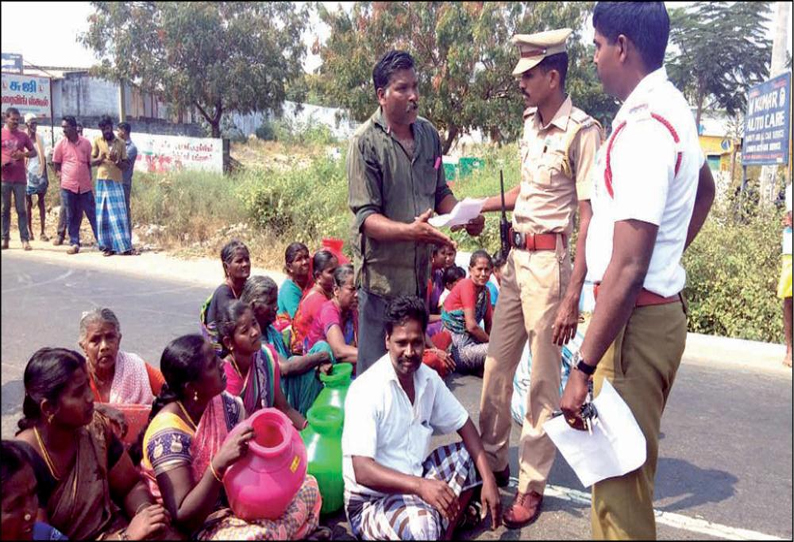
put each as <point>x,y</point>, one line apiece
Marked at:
<point>732,273</point>
<point>266,132</point>
<point>294,132</point>
<point>300,205</point>
<point>189,203</point>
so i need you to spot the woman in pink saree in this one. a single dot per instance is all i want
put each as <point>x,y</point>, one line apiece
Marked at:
<point>185,452</point>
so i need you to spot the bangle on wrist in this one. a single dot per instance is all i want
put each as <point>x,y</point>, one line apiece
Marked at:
<point>215,473</point>
<point>123,534</point>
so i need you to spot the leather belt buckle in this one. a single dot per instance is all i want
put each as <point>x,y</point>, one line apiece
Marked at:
<point>519,241</point>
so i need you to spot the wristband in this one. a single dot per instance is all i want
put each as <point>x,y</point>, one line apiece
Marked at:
<point>215,474</point>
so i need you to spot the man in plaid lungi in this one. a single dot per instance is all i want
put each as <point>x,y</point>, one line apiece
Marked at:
<point>394,490</point>
<point>110,155</point>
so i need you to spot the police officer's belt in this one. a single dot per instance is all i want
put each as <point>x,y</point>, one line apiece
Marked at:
<point>646,298</point>
<point>535,241</point>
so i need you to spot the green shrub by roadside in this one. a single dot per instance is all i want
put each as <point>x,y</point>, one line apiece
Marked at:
<point>301,204</point>
<point>732,274</point>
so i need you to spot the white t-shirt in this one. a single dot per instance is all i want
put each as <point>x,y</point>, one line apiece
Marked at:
<point>381,423</point>
<point>644,184</point>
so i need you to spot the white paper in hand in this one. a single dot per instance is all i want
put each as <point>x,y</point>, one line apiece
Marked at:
<point>617,445</point>
<point>463,212</point>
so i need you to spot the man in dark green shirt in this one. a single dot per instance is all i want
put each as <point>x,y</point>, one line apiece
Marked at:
<point>396,181</point>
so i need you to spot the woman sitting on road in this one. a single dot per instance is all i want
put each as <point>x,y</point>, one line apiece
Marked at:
<point>236,268</point>
<point>324,263</point>
<point>252,372</point>
<point>296,265</point>
<point>115,376</point>
<point>468,304</point>
<point>186,452</point>
<point>20,502</point>
<point>299,380</point>
<point>83,470</point>
<point>337,322</point>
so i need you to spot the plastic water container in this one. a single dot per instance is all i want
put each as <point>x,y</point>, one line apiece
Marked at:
<point>335,386</point>
<point>135,416</point>
<point>323,440</point>
<point>262,483</point>
<point>335,246</point>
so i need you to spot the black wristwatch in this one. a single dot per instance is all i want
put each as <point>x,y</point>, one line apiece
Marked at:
<point>580,365</point>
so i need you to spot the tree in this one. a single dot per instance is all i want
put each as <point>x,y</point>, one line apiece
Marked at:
<point>464,59</point>
<point>719,50</point>
<point>214,56</point>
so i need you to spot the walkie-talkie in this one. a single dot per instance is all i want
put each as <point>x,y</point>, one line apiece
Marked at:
<point>504,225</point>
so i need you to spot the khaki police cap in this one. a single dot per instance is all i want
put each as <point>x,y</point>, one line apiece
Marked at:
<point>535,47</point>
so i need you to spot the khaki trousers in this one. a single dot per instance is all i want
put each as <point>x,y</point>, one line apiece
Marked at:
<point>533,286</point>
<point>641,364</point>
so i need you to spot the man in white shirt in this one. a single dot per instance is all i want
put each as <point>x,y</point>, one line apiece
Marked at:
<point>652,191</point>
<point>784,286</point>
<point>394,488</point>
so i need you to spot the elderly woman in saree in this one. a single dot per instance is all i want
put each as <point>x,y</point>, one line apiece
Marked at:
<point>115,376</point>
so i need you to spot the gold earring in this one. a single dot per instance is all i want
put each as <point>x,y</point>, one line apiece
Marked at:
<point>49,418</point>
<point>195,396</point>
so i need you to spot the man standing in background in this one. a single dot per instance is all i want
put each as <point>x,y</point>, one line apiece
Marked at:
<point>16,147</point>
<point>124,131</point>
<point>37,177</point>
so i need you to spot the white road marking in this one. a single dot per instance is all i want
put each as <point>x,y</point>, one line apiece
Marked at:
<point>677,521</point>
<point>35,284</point>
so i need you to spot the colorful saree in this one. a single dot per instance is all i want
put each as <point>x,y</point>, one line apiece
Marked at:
<point>170,442</point>
<point>301,389</point>
<point>257,387</point>
<point>80,505</point>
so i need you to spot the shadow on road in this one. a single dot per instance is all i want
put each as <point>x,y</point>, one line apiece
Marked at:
<point>691,486</point>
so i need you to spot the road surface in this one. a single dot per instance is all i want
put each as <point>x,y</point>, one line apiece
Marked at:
<point>725,456</point>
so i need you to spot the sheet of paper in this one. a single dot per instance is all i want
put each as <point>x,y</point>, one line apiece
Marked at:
<point>464,211</point>
<point>617,445</point>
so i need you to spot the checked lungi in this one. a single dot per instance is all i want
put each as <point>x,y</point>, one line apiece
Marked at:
<point>111,217</point>
<point>408,517</point>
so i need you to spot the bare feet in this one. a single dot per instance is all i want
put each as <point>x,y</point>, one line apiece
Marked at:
<point>787,359</point>
<point>74,249</point>
<point>26,245</point>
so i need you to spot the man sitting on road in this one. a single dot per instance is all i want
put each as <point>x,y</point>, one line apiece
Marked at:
<point>394,490</point>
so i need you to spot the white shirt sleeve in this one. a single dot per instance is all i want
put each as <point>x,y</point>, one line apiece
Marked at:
<point>643,161</point>
<point>448,414</point>
<point>360,433</point>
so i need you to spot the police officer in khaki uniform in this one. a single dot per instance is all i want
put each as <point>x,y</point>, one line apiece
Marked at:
<point>539,298</point>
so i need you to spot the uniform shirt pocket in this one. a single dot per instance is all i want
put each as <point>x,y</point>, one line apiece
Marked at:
<point>550,168</point>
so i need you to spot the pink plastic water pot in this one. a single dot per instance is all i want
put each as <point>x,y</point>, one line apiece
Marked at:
<point>262,483</point>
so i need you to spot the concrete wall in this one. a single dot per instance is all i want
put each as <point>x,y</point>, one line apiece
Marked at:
<point>88,98</point>
<point>329,116</point>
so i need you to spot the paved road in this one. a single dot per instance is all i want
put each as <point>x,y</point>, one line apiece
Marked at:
<point>726,451</point>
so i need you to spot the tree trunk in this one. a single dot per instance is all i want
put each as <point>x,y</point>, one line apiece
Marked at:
<point>216,128</point>
<point>452,133</point>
